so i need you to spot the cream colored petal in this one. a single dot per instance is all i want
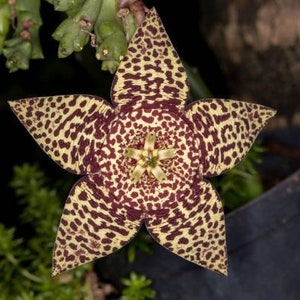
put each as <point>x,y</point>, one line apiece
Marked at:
<point>92,226</point>
<point>70,128</point>
<point>166,153</point>
<point>137,172</point>
<point>151,71</point>
<point>158,173</point>
<point>225,131</point>
<point>149,142</point>
<point>194,228</point>
<point>134,153</point>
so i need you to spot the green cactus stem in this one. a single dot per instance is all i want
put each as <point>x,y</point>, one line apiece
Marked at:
<point>74,32</point>
<point>24,44</point>
<point>69,7</point>
<point>17,52</point>
<point>111,36</point>
<point>4,22</point>
<point>109,25</point>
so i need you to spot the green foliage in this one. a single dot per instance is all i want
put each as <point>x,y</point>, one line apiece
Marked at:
<point>74,32</point>
<point>25,251</point>
<point>99,21</point>
<point>106,24</point>
<point>137,287</point>
<point>4,22</point>
<point>23,17</point>
<point>111,37</point>
<point>242,183</point>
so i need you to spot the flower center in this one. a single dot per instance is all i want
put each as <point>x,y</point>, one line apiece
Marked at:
<point>149,159</point>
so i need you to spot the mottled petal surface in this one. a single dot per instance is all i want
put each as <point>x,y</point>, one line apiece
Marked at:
<point>225,130</point>
<point>193,227</point>
<point>70,129</point>
<point>93,225</point>
<point>171,132</point>
<point>151,70</point>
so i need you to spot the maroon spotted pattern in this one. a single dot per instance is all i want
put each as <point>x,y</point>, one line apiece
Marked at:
<point>129,131</point>
<point>86,135</point>
<point>93,225</point>
<point>225,130</point>
<point>68,128</point>
<point>194,228</point>
<point>151,70</point>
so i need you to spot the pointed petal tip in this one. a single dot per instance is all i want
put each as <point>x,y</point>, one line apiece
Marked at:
<point>219,268</point>
<point>223,270</point>
<point>198,235</point>
<point>271,111</point>
<point>60,273</point>
<point>54,273</point>
<point>142,76</point>
<point>12,103</point>
<point>243,120</point>
<point>266,114</point>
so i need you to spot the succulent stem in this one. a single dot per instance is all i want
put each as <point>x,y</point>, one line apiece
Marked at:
<point>24,44</point>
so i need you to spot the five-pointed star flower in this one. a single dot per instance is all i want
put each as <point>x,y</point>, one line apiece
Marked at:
<point>145,159</point>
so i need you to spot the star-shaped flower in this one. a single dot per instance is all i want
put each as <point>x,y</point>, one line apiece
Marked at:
<point>146,159</point>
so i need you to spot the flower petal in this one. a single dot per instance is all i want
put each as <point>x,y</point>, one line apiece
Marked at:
<point>149,142</point>
<point>193,228</point>
<point>137,173</point>
<point>151,70</point>
<point>166,153</point>
<point>134,153</point>
<point>68,128</point>
<point>93,225</point>
<point>158,173</point>
<point>226,129</point>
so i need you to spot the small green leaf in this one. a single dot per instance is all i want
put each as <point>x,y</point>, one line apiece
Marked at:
<point>137,287</point>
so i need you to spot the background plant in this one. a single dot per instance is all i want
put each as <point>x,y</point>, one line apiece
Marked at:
<point>137,287</point>
<point>106,24</point>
